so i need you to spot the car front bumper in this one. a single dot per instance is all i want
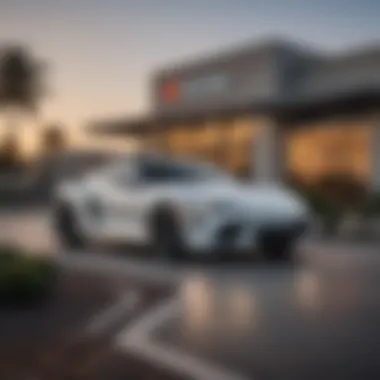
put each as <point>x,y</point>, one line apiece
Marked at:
<point>236,235</point>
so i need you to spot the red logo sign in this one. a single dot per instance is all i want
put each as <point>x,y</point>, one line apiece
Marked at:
<point>169,91</point>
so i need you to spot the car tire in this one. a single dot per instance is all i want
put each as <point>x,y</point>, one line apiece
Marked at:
<point>278,251</point>
<point>67,228</point>
<point>167,237</point>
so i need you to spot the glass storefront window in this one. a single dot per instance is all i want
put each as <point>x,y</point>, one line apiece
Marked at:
<point>193,136</point>
<point>150,140</point>
<point>210,134</point>
<point>171,140</point>
<point>319,149</point>
<point>224,142</point>
<point>221,147</point>
<point>242,132</point>
<point>161,141</point>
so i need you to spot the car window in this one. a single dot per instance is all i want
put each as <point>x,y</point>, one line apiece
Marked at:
<point>159,170</point>
<point>121,171</point>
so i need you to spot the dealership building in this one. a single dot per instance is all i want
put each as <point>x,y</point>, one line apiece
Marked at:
<point>268,110</point>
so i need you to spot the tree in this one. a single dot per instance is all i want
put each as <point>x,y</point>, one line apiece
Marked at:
<point>21,85</point>
<point>54,139</point>
<point>10,153</point>
<point>21,75</point>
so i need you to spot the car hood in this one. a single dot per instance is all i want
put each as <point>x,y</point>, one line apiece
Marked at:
<point>244,197</point>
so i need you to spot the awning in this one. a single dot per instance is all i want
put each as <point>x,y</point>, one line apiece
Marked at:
<point>291,109</point>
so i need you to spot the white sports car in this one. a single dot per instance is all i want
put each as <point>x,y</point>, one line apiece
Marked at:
<point>179,207</point>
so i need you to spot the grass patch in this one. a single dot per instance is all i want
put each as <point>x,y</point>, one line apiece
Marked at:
<point>25,279</point>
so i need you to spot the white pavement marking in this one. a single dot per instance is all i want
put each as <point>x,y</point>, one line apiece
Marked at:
<point>147,323</point>
<point>108,317</point>
<point>135,339</point>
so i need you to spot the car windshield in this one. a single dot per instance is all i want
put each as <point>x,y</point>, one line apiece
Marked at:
<point>168,170</point>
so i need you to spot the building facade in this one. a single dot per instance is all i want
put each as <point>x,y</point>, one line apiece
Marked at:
<point>270,111</point>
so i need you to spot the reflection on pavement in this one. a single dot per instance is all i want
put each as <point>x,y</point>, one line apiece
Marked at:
<point>197,302</point>
<point>243,307</point>
<point>212,309</point>
<point>317,321</point>
<point>307,289</point>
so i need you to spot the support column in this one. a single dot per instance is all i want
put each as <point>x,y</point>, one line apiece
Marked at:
<point>269,153</point>
<point>374,156</point>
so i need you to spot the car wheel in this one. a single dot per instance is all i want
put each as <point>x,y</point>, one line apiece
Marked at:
<point>167,237</point>
<point>277,250</point>
<point>67,228</point>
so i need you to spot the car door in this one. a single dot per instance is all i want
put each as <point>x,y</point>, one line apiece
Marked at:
<point>136,194</point>
<point>126,202</point>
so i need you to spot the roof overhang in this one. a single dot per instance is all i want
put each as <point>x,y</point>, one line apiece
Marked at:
<point>292,109</point>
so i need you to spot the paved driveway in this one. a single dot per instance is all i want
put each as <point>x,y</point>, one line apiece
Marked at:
<point>30,229</point>
<point>318,319</point>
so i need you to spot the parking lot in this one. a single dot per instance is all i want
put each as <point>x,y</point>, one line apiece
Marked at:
<point>314,319</point>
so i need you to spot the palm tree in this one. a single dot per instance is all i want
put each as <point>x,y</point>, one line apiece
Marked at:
<point>54,139</point>
<point>9,153</point>
<point>21,86</point>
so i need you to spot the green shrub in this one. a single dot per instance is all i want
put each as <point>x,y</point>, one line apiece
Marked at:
<point>7,255</point>
<point>25,279</point>
<point>342,188</point>
<point>329,211</point>
<point>337,195</point>
<point>370,207</point>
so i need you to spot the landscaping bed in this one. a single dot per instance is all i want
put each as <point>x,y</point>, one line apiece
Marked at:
<point>44,316</point>
<point>77,297</point>
<point>80,359</point>
<point>29,331</point>
<point>49,341</point>
<point>342,205</point>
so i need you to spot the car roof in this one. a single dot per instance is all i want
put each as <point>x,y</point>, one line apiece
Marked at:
<point>153,156</point>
